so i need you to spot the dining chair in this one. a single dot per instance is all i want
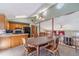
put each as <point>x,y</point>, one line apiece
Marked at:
<point>28,49</point>
<point>53,48</point>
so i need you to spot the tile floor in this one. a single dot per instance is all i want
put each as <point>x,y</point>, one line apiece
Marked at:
<point>19,51</point>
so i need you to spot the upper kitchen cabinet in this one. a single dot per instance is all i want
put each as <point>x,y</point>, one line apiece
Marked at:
<point>2,21</point>
<point>17,25</point>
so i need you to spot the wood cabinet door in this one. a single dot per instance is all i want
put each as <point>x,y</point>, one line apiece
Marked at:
<point>4,42</point>
<point>14,41</point>
<point>17,40</point>
<point>22,37</point>
<point>7,25</point>
<point>2,22</point>
<point>34,30</point>
<point>2,18</point>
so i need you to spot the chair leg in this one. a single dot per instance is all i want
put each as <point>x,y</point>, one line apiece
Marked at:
<point>58,53</point>
<point>55,53</point>
<point>25,53</point>
<point>46,53</point>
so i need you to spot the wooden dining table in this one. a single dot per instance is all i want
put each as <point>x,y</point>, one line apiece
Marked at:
<point>39,42</point>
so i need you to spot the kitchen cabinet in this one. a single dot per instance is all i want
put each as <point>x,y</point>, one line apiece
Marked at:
<point>11,40</point>
<point>4,42</point>
<point>34,30</point>
<point>2,22</point>
<point>14,25</point>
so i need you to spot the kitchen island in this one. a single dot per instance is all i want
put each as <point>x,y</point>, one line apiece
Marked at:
<point>11,40</point>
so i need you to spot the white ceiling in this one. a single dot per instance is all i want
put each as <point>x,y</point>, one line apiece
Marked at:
<point>53,11</point>
<point>16,9</point>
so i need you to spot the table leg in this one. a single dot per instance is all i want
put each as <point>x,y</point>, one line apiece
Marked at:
<point>38,50</point>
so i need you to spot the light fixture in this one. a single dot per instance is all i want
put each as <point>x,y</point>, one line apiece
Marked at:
<point>37,16</point>
<point>41,18</point>
<point>45,13</point>
<point>59,6</point>
<point>21,16</point>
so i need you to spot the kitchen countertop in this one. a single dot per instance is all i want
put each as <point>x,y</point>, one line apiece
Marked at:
<point>10,34</point>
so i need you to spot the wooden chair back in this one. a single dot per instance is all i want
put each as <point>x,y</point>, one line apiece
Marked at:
<point>56,43</point>
<point>23,41</point>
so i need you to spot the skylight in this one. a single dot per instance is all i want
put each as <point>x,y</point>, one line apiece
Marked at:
<point>59,6</point>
